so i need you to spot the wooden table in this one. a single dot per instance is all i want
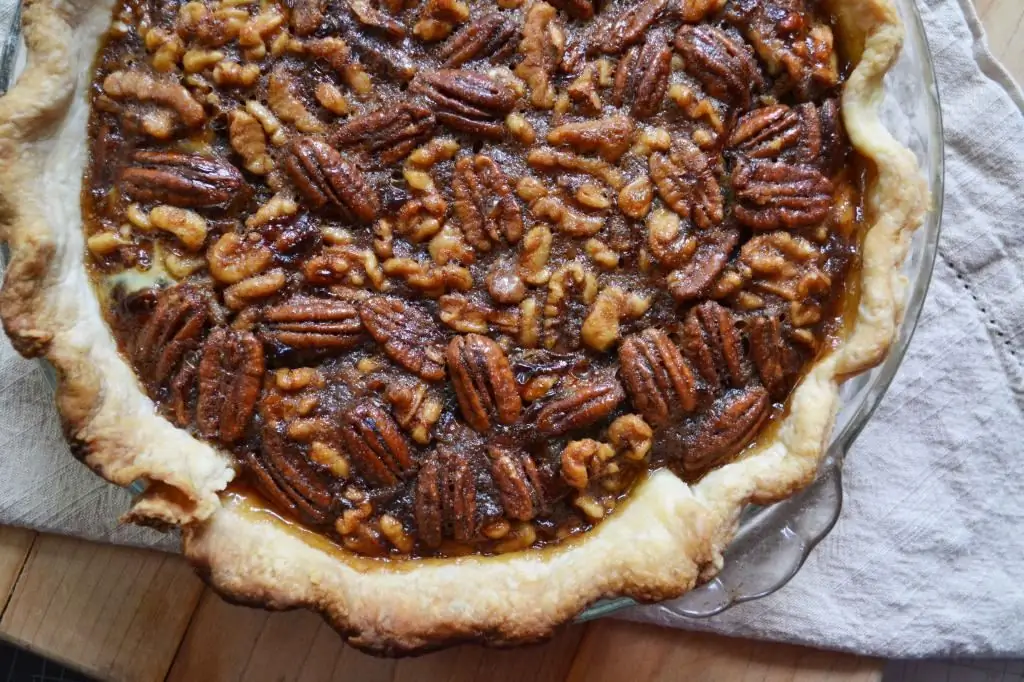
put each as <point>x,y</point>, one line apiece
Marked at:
<point>139,616</point>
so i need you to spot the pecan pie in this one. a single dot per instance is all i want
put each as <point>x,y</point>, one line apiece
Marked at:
<point>446,318</point>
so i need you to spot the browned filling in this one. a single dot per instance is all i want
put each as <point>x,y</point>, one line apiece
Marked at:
<point>449,276</point>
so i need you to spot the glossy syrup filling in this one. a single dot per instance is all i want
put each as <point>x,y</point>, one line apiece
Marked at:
<point>449,277</point>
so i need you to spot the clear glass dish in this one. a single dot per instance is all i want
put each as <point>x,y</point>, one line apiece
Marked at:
<point>773,542</point>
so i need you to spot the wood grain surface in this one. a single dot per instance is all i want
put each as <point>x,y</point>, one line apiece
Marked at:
<point>131,615</point>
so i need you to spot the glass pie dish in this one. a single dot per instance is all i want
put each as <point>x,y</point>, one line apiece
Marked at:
<point>773,542</point>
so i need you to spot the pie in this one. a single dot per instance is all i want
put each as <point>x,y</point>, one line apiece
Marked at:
<point>446,318</point>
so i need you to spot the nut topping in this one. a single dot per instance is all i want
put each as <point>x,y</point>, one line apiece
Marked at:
<point>657,377</point>
<point>583,404</point>
<point>779,195</point>
<point>467,101</point>
<point>182,180</point>
<point>324,178</point>
<point>408,335</point>
<point>479,268</point>
<point>767,132</point>
<point>230,377</point>
<point>483,381</point>
<point>376,447</point>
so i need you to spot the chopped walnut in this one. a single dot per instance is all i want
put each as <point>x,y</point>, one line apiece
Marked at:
<point>542,47</point>
<point>138,86</point>
<point>250,141</point>
<point>534,254</point>
<point>286,104</point>
<point>789,267</point>
<point>281,205</point>
<point>416,408</point>
<point>332,99</point>
<point>570,280</point>
<point>601,327</point>
<point>239,295</point>
<point>188,226</point>
<point>233,257</point>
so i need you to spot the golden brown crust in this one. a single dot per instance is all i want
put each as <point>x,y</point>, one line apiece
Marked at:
<point>675,533</point>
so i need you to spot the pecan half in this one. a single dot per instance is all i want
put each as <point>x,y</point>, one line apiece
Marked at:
<point>484,204</point>
<point>823,135</point>
<point>714,346</point>
<point>732,422</point>
<point>491,36</point>
<point>445,501</point>
<point>629,26</point>
<point>375,444</point>
<point>182,180</point>
<point>721,62</point>
<point>409,336</point>
<point>772,195</point>
<point>483,381</point>
<point>325,179</point>
<point>519,483</point>
<point>585,403</point>
<point>777,361</point>
<point>642,76</point>
<point>386,135</point>
<point>230,377</point>
<point>807,134</point>
<point>467,101</point>
<point>289,480</point>
<point>306,323</point>
<point>659,380</point>
<point>686,182</point>
<point>695,277</point>
<point>767,132</point>
<point>174,328</point>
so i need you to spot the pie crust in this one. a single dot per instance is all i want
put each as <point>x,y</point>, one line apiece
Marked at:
<point>668,537</point>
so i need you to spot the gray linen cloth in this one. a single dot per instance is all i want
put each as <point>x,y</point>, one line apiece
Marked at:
<point>926,559</point>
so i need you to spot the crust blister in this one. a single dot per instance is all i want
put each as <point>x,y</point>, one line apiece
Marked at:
<point>676,533</point>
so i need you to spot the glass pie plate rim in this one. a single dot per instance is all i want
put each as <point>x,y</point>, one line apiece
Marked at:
<point>772,543</point>
<point>780,537</point>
